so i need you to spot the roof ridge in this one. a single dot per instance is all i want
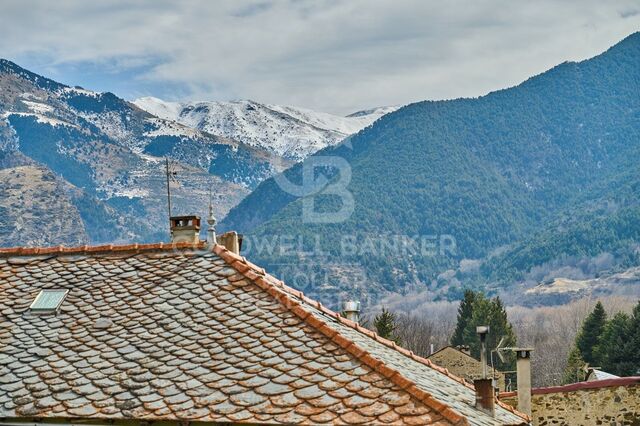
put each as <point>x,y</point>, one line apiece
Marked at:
<point>105,248</point>
<point>259,276</point>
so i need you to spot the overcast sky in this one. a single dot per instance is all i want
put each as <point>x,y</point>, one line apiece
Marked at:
<point>334,56</point>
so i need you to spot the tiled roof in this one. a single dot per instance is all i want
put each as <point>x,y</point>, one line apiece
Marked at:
<point>177,332</point>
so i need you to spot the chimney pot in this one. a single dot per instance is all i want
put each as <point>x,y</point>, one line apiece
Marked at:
<point>232,241</point>
<point>485,399</point>
<point>185,229</point>
<point>351,309</point>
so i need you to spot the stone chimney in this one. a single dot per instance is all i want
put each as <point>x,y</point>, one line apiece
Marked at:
<point>523,367</point>
<point>231,240</point>
<point>185,229</point>
<point>351,310</point>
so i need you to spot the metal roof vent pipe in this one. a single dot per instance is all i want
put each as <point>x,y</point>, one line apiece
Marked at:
<point>485,399</point>
<point>351,310</point>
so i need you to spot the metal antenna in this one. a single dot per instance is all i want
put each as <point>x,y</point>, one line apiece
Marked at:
<point>166,160</point>
<point>171,175</point>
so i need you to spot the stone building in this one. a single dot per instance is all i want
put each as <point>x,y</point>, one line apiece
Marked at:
<point>599,402</point>
<point>458,360</point>
<point>187,333</point>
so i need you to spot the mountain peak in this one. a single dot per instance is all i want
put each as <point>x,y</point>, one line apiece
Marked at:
<point>290,132</point>
<point>9,67</point>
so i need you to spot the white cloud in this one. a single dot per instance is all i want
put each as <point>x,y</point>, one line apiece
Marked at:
<point>337,56</point>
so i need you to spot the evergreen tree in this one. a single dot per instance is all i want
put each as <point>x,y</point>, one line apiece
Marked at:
<point>589,337</point>
<point>465,312</point>
<point>490,312</point>
<point>631,349</point>
<point>385,324</point>
<point>574,371</point>
<point>611,351</point>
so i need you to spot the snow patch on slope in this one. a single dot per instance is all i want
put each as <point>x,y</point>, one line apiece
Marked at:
<point>286,131</point>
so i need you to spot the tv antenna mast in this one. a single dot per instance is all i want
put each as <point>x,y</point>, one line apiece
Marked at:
<point>171,176</point>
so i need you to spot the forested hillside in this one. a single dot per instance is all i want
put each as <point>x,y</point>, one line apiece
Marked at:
<point>520,178</point>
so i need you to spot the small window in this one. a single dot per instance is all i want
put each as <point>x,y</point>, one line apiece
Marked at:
<point>48,301</point>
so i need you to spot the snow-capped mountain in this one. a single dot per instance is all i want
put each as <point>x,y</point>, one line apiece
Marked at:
<point>102,159</point>
<point>289,132</point>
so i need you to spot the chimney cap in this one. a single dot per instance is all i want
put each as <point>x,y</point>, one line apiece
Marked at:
<point>185,217</point>
<point>351,309</point>
<point>522,352</point>
<point>351,305</point>
<point>185,222</point>
<point>482,329</point>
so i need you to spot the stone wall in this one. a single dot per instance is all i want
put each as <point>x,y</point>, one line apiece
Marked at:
<point>604,402</point>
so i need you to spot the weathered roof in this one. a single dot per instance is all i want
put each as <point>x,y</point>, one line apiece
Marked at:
<point>452,348</point>
<point>440,357</point>
<point>179,332</point>
<point>595,375</point>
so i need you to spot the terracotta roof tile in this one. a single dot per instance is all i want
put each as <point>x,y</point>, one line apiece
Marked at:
<point>174,331</point>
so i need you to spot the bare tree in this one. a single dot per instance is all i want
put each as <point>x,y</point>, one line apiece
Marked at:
<point>550,330</point>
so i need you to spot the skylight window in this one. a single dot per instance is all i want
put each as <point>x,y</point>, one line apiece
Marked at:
<point>48,301</point>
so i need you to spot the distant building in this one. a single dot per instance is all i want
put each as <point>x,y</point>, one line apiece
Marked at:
<point>599,402</point>
<point>594,374</point>
<point>194,334</point>
<point>458,361</point>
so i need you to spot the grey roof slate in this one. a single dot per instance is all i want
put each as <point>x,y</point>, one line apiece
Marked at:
<point>179,333</point>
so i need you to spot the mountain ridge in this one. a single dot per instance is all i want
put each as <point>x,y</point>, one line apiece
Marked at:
<point>97,147</point>
<point>107,156</point>
<point>289,132</point>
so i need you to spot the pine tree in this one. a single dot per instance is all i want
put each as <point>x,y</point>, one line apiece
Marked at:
<point>574,371</point>
<point>611,351</point>
<point>490,312</point>
<point>631,349</point>
<point>589,337</point>
<point>385,324</point>
<point>465,312</point>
